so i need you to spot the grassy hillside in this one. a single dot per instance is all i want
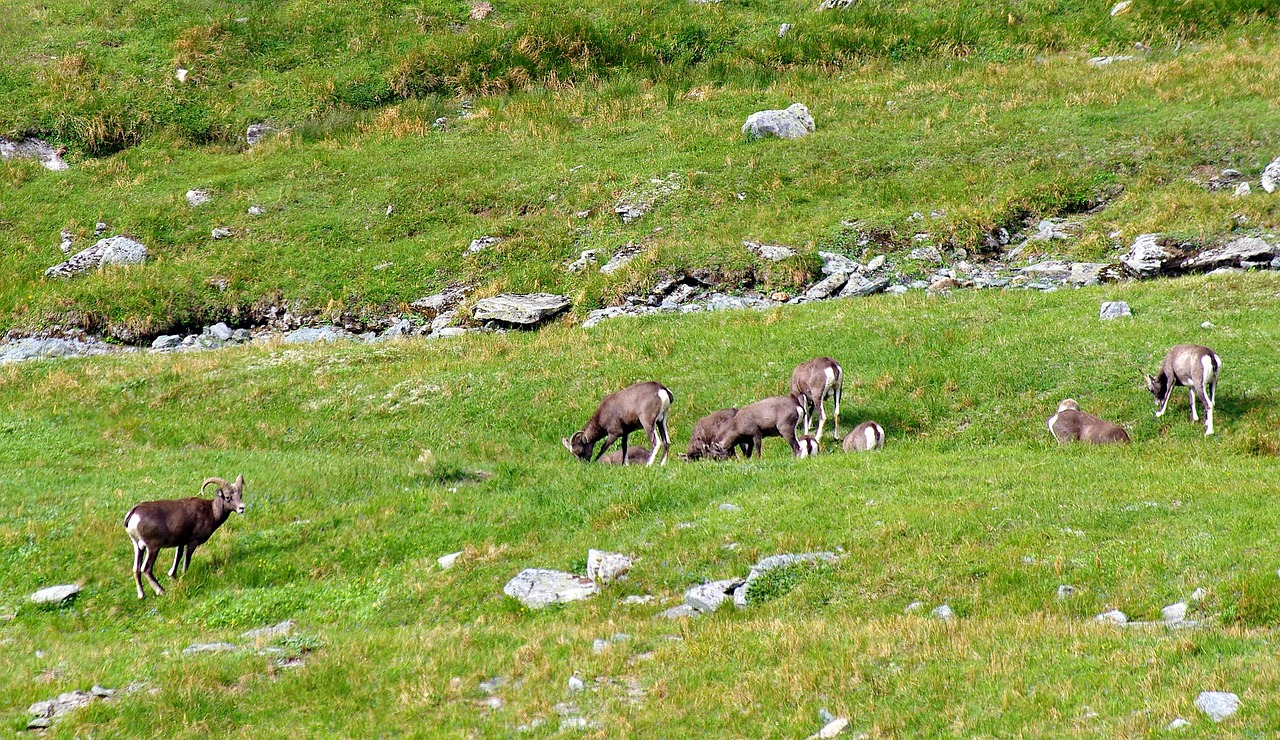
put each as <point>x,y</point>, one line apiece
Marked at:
<point>969,504</point>
<point>984,116</point>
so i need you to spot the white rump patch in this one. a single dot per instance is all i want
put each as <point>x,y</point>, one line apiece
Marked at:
<point>1053,420</point>
<point>131,527</point>
<point>871,433</point>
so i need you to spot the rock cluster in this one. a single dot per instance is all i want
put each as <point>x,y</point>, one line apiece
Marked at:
<point>48,348</point>
<point>44,713</point>
<point>1153,255</point>
<point>116,250</point>
<point>704,598</point>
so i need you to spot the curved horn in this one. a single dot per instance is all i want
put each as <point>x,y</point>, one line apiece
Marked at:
<point>221,483</point>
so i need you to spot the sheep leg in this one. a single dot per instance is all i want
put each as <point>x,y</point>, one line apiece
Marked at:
<point>1191,399</point>
<point>746,449</point>
<point>660,436</point>
<point>626,443</point>
<point>608,442</point>
<point>808,411</point>
<point>789,434</point>
<point>177,558</point>
<point>147,565</point>
<point>1208,410</point>
<point>757,445</point>
<point>822,418</point>
<point>137,570</point>
<point>186,561</point>
<point>835,414</point>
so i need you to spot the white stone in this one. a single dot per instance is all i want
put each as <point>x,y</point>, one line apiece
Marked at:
<point>446,561</point>
<point>876,263</point>
<point>538,587</point>
<point>943,612</point>
<point>1218,704</point>
<point>576,684</point>
<point>607,567</point>
<point>1114,310</point>
<point>180,75</point>
<point>729,507</point>
<point>483,243</point>
<point>1174,613</point>
<point>57,595</point>
<point>209,647</point>
<point>1271,176</point>
<point>256,210</point>
<point>638,600</point>
<point>198,197</point>
<point>520,310</point>
<point>1176,725</point>
<point>832,728</point>
<point>678,612</point>
<point>1066,591</point>
<point>221,232</point>
<point>1146,257</point>
<point>792,123</point>
<point>1115,616</point>
<point>914,606</point>
<point>49,157</point>
<point>771,252</point>
<point>1241,190</point>
<point>1121,7</point>
<point>1199,594</point>
<point>708,597</point>
<point>782,30</point>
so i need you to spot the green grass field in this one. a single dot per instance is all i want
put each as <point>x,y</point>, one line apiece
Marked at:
<point>969,504</point>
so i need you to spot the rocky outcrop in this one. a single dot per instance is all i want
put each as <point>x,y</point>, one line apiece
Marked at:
<point>791,123</point>
<point>49,157</point>
<point>522,311</point>
<point>1154,255</point>
<point>116,250</point>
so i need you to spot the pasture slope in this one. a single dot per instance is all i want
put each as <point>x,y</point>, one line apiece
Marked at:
<point>366,463</point>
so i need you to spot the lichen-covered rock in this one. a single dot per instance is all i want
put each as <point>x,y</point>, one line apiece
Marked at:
<point>707,597</point>
<point>539,587</point>
<point>791,123</point>
<point>115,250</point>
<point>525,311</point>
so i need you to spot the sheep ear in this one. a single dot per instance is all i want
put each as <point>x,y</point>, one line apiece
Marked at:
<point>239,484</point>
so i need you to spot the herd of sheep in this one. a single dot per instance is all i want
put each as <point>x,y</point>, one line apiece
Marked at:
<point>185,524</point>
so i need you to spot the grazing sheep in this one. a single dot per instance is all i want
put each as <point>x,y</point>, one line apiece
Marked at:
<point>813,383</point>
<point>808,445</point>
<point>866,436</point>
<point>1070,424</point>
<point>636,455</point>
<point>641,406</point>
<point>707,430</point>
<point>1194,367</point>
<point>778,416</point>
<point>182,523</point>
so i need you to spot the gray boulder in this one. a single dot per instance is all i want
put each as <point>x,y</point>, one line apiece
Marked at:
<point>1114,310</point>
<point>607,567</point>
<point>219,331</point>
<point>792,123</point>
<point>708,597</point>
<point>1244,252</point>
<point>524,311</point>
<point>1147,256</point>
<point>49,158</point>
<point>771,252</point>
<point>115,250</point>
<point>56,595</point>
<point>833,263</point>
<point>826,287</point>
<point>440,303</point>
<point>539,587</point>
<point>1271,176</point>
<point>1218,705</point>
<point>166,341</point>
<point>1174,613</point>
<point>860,286</point>
<point>1115,616</point>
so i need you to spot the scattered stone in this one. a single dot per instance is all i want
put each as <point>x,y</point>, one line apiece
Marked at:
<point>197,198</point>
<point>1198,595</point>
<point>599,646</point>
<point>826,287</point>
<point>782,30</point>
<point>1177,724</point>
<point>585,260</point>
<point>833,264</point>
<point>1174,613</point>
<point>914,606</point>
<point>221,232</point>
<point>538,587</point>
<point>483,243</point>
<point>679,612</point>
<point>897,289</point>
<point>256,210</point>
<point>1271,176</point>
<point>525,311</point>
<point>876,263</point>
<point>272,632</point>
<point>49,157</point>
<point>311,335</point>
<point>792,123</point>
<point>576,684</point>
<point>1115,616</point>
<point>771,252</point>
<point>1121,7</point>
<point>256,133</point>
<point>620,258</point>
<point>730,507</point>
<point>637,600</point>
<point>1105,61</point>
<point>925,254</point>
<point>1241,190</point>
<point>166,341</point>
<point>942,285</point>
<point>1066,591</point>
<point>180,75</point>
<point>492,703</point>
<point>116,250</point>
<point>831,729</point>
<point>1218,704</point>
<point>446,561</point>
<point>208,647</point>
<point>480,9</point>
<point>1114,310</point>
<point>56,595</point>
<point>636,203</point>
<point>219,331</point>
<point>708,597</point>
<point>440,303</point>
<point>493,684</point>
<point>68,240</point>
<point>607,567</point>
<point>943,612</point>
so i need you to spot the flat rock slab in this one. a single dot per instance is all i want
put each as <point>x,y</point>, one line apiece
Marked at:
<point>115,250</point>
<point>283,629</point>
<point>49,157</point>
<point>791,123</point>
<point>313,334</point>
<point>1218,705</point>
<point>56,595</point>
<point>708,597</point>
<point>520,310</point>
<point>539,587</point>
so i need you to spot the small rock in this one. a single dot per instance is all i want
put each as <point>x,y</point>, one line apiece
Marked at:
<point>771,252</point>
<point>792,123</point>
<point>1115,616</point>
<point>180,75</point>
<point>56,595</point>
<point>585,260</point>
<point>730,507</point>
<point>256,210</point>
<point>1198,595</point>
<point>1218,704</point>
<point>607,567</point>
<point>116,250</point>
<point>1174,613</point>
<point>99,229</point>
<point>782,30</point>
<point>1066,591</point>
<point>599,646</point>
<point>943,612</point>
<point>914,606</point>
<point>1176,725</point>
<point>198,197</point>
<point>1241,190</point>
<point>493,703</point>
<point>256,133</point>
<point>678,612</point>
<point>483,243</point>
<point>1121,7</point>
<point>708,597</point>
<point>897,289</point>
<point>925,254</point>
<point>219,331</point>
<point>493,684</point>
<point>637,600</point>
<point>208,647</point>
<point>221,232</point>
<point>311,335</point>
<point>859,286</point>
<point>576,684</point>
<point>283,629</point>
<point>832,728</point>
<point>833,264</point>
<point>524,311</point>
<point>1114,310</point>
<point>40,723</point>
<point>1271,176</point>
<point>1105,61</point>
<point>538,587</point>
<point>446,561</point>
<point>876,263</point>
<point>166,341</point>
<point>480,9</point>
<point>620,259</point>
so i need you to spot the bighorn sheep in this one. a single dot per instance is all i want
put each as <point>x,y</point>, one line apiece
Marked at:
<point>813,382</point>
<point>636,455</point>
<point>1192,366</point>
<point>642,406</point>
<point>866,436</point>
<point>778,416</point>
<point>1070,424</point>
<point>809,446</point>
<point>182,523</point>
<point>707,430</point>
